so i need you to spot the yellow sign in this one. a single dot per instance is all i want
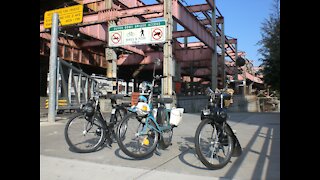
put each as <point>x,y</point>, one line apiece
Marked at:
<point>67,16</point>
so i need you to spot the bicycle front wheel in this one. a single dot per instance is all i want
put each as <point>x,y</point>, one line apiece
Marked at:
<point>213,146</point>
<point>84,134</point>
<point>131,138</point>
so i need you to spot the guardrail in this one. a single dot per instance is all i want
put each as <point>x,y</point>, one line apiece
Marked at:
<point>74,86</point>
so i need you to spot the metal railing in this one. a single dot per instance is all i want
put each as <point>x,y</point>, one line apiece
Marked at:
<point>74,85</point>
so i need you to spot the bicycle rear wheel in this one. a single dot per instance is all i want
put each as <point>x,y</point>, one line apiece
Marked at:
<point>165,139</point>
<point>84,134</point>
<point>213,147</point>
<point>132,141</point>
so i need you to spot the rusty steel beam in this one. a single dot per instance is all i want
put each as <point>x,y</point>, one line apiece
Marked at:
<point>220,20</point>
<point>231,41</point>
<point>193,54</point>
<point>198,8</point>
<point>70,53</point>
<point>61,40</point>
<point>204,63</point>
<point>139,54</point>
<point>205,21</point>
<point>134,50</point>
<point>227,42</point>
<point>210,3</point>
<point>92,43</point>
<point>130,4</point>
<point>97,31</point>
<point>178,34</point>
<point>202,72</point>
<point>207,16</point>
<point>151,16</point>
<point>191,23</point>
<point>194,45</point>
<point>133,59</point>
<point>110,15</point>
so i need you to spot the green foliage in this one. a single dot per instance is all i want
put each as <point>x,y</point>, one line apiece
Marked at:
<point>270,49</point>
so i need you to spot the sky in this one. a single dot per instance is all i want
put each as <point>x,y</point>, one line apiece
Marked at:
<point>243,20</point>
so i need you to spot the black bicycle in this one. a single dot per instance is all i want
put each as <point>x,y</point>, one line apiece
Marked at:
<point>89,130</point>
<point>215,141</point>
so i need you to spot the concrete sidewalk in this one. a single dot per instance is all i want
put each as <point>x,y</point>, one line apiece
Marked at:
<point>83,170</point>
<point>258,133</point>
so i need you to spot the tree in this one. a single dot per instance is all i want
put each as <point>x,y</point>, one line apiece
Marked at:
<point>270,49</point>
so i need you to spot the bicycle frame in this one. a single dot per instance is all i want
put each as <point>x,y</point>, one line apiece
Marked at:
<point>159,129</point>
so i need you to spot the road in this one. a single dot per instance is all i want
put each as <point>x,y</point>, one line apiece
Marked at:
<point>258,134</point>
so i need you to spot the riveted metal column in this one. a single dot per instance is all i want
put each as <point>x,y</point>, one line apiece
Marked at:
<point>223,75</point>
<point>167,53</point>
<point>111,58</point>
<point>214,67</point>
<point>53,69</point>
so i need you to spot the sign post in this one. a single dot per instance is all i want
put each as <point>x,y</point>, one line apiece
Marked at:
<point>66,16</point>
<point>135,34</point>
<point>53,69</point>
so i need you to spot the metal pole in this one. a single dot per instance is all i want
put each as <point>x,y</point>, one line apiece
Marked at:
<point>167,53</point>
<point>223,75</point>
<point>53,68</point>
<point>214,68</point>
<point>244,79</point>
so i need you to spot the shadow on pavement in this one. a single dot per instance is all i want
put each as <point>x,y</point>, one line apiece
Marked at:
<point>117,153</point>
<point>186,149</point>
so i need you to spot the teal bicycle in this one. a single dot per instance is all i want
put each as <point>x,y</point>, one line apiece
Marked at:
<point>148,125</point>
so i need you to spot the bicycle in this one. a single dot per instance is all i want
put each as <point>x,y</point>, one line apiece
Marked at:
<point>87,131</point>
<point>215,141</point>
<point>147,128</point>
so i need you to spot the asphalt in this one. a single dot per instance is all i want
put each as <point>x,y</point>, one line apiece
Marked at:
<point>258,134</point>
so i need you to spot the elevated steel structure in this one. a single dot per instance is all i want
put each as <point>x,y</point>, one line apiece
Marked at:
<point>85,42</point>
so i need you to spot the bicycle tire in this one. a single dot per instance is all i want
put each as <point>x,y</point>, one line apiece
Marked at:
<point>214,144</point>
<point>166,136</point>
<point>84,135</point>
<point>165,140</point>
<point>128,122</point>
<point>120,113</point>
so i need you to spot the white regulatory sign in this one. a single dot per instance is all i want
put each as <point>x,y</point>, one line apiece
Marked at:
<point>134,34</point>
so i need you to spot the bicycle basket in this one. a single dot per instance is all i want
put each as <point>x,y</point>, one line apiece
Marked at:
<point>176,116</point>
<point>142,109</point>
